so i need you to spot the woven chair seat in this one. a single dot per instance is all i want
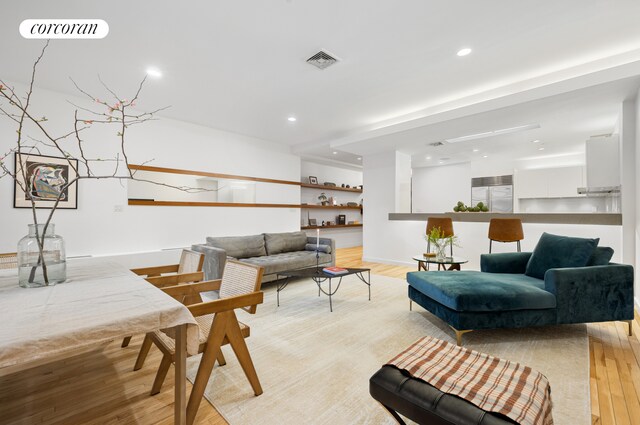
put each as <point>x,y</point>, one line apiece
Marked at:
<point>204,325</point>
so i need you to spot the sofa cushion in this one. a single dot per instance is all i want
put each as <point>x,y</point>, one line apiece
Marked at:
<point>479,291</point>
<point>288,261</point>
<point>240,246</point>
<point>553,251</point>
<point>277,243</point>
<point>601,256</point>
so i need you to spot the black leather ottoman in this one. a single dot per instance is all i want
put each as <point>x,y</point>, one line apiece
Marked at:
<point>425,404</point>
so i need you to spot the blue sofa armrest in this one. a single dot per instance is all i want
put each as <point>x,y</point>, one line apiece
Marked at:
<point>592,294</point>
<point>214,260</point>
<point>325,241</point>
<point>508,262</point>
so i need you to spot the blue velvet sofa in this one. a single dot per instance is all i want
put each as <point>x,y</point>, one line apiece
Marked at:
<point>501,295</point>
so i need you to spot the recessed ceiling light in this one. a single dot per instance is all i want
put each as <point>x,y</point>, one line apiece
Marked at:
<point>535,141</point>
<point>541,148</point>
<point>154,72</point>
<point>335,153</point>
<point>485,156</point>
<point>476,150</point>
<point>440,162</point>
<point>359,158</point>
<point>292,119</point>
<point>464,52</point>
<point>428,157</point>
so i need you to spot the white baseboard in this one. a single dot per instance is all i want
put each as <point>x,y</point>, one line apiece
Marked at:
<point>387,261</point>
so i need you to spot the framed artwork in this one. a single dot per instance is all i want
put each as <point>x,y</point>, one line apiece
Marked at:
<point>313,180</point>
<point>342,219</point>
<point>46,178</point>
<point>313,222</point>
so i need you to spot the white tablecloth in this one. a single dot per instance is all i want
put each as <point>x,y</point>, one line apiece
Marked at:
<point>101,301</point>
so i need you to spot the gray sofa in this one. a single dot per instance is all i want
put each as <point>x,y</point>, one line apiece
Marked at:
<point>275,252</point>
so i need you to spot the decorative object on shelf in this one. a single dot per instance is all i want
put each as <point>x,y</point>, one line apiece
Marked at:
<point>329,184</point>
<point>329,223</point>
<point>461,207</point>
<point>323,223</point>
<point>323,199</point>
<point>313,180</point>
<point>50,268</point>
<point>313,222</point>
<point>352,204</point>
<point>45,179</point>
<point>342,219</point>
<point>333,201</point>
<point>439,241</point>
<point>348,187</point>
<point>342,185</point>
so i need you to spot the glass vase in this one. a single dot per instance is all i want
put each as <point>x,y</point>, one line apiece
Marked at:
<point>32,273</point>
<point>441,251</point>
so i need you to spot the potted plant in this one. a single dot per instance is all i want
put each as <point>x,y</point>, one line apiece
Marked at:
<point>440,241</point>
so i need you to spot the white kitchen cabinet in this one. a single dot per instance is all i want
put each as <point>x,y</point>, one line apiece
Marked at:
<point>531,184</point>
<point>564,182</point>
<point>549,182</point>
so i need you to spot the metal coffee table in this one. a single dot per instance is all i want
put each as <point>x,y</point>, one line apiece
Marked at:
<point>319,277</point>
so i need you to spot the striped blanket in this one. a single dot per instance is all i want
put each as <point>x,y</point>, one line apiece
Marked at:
<point>492,384</point>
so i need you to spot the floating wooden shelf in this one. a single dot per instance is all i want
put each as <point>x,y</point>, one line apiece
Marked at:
<point>323,187</point>
<point>333,226</point>
<point>329,207</point>
<point>206,204</point>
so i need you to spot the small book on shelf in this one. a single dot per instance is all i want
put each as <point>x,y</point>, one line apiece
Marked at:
<point>335,270</point>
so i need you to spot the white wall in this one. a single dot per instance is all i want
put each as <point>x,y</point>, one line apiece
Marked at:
<point>637,209</point>
<point>438,189</point>
<point>94,228</point>
<point>379,177</point>
<point>344,238</point>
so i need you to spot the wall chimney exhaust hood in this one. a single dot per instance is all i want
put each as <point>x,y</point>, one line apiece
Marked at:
<point>603,166</point>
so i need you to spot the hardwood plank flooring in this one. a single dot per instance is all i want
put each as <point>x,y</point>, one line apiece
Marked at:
<point>101,388</point>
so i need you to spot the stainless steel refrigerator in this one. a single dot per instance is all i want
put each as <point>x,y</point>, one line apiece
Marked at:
<point>495,192</point>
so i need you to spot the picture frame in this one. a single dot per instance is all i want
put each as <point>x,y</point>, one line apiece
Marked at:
<point>44,177</point>
<point>313,222</point>
<point>313,180</point>
<point>342,219</point>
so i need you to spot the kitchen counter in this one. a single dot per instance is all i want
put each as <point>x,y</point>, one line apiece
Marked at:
<point>610,219</point>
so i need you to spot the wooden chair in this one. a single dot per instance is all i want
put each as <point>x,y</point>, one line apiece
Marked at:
<point>239,288</point>
<point>190,262</point>
<point>188,270</point>
<point>446,227</point>
<point>9,261</point>
<point>505,230</point>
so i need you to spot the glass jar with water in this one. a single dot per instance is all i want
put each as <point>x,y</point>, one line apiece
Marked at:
<point>31,270</point>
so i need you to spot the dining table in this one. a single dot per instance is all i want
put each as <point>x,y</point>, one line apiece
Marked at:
<point>100,301</point>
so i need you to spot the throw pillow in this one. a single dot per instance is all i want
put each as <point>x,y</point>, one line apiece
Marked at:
<point>321,248</point>
<point>553,251</point>
<point>601,256</point>
<point>277,243</point>
<point>240,246</point>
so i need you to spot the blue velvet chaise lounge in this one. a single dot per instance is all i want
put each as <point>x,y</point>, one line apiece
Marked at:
<point>516,290</point>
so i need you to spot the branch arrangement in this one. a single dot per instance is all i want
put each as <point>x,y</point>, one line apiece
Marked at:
<point>116,112</point>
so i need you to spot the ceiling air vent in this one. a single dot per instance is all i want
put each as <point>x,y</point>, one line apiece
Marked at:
<point>436,144</point>
<point>322,60</point>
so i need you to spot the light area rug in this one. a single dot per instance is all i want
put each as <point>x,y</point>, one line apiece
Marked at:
<point>315,365</point>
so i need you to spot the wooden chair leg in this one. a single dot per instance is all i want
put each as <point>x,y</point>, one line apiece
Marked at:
<point>234,335</point>
<point>165,364</point>
<point>126,341</point>
<point>216,336</point>
<point>220,358</point>
<point>144,351</point>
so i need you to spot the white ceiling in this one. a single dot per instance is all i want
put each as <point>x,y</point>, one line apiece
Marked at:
<point>240,66</point>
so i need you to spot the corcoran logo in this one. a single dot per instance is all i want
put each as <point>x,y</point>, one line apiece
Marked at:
<point>64,28</point>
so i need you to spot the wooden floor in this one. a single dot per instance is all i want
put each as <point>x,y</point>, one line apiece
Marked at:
<point>101,388</point>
